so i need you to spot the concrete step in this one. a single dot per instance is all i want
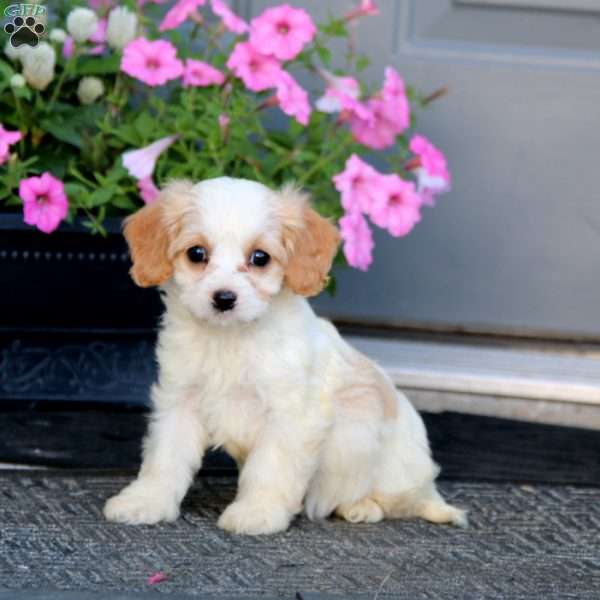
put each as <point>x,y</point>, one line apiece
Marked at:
<point>534,385</point>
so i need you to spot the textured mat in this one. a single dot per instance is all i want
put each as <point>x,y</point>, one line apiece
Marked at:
<point>81,595</point>
<point>524,542</point>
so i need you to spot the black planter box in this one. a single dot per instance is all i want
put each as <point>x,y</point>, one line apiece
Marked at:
<point>69,279</point>
<point>73,325</point>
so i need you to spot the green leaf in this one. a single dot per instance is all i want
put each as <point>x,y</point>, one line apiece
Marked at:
<point>295,129</point>
<point>23,92</point>
<point>144,125</point>
<point>63,131</point>
<point>67,122</point>
<point>124,202</point>
<point>362,62</point>
<point>331,286</point>
<point>6,69</point>
<point>92,65</point>
<point>76,192</point>
<point>335,28</point>
<point>54,162</point>
<point>124,134</point>
<point>117,172</point>
<point>325,55</point>
<point>6,72</point>
<point>100,196</point>
<point>13,200</point>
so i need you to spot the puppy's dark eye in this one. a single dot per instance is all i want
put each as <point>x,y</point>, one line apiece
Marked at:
<point>197,254</point>
<point>259,258</point>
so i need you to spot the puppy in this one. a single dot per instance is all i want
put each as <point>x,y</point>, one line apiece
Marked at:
<point>245,365</point>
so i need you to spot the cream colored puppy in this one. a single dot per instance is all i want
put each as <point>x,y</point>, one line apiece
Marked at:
<point>245,365</point>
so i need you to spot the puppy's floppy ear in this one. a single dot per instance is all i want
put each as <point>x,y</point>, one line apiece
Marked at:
<point>149,233</point>
<point>310,241</point>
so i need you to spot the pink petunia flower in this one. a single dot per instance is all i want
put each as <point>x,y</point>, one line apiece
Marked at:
<point>257,71</point>
<point>148,190</point>
<point>68,47</point>
<point>154,63</point>
<point>100,5</point>
<point>282,31</point>
<point>341,95</point>
<point>7,138</point>
<point>358,240</point>
<point>379,132</point>
<point>230,20</point>
<point>394,102</point>
<point>390,111</point>
<point>431,169</point>
<point>99,38</point>
<point>338,89</point>
<point>359,185</point>
<point>293,99</point>
<point>367,8</point>
<point>141,163</point>
<point>45,203</point>
<point>393,85</point>
<point>197,73</point>
<point>401,210</point>
<point>179,13</point>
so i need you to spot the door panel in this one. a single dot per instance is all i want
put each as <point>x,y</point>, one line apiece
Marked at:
<point>567,5</point>
<point>515,247</point>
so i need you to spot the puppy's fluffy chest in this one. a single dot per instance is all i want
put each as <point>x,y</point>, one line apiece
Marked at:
<point>237,379</point>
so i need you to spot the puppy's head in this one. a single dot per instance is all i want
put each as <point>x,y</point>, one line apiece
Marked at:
<point>230,246</point>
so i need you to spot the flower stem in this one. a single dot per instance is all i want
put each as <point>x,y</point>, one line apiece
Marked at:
<point>22,121</point>
<point>61,80</point>
<point>324,161</point>
<point>435,95</point>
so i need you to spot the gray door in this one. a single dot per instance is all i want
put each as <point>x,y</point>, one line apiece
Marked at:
<point>515,247</point>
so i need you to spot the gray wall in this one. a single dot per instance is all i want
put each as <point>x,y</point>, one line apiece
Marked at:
<point>515,246</point>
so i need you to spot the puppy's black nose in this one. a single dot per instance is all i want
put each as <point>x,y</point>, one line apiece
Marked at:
<point>224,300</point>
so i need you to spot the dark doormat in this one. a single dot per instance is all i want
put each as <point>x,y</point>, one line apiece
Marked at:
<point>81,595</point>
<point>523,542</point>
<point>468,447</point>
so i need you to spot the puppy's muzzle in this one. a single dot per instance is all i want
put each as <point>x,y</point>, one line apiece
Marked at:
<point>224,300</point>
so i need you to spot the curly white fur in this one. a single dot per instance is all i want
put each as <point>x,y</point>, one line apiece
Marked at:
<point>311,422</point>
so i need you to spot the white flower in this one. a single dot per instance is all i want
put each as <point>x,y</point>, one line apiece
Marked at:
<point>121,27</point>
<point>58,35</point>
<point>89,90</point>
<point>81,23</point>
<point>16,53</point>
<point>38,66</point>
<point>17,81</point>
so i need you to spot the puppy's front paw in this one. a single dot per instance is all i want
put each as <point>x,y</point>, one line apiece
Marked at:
<point>140,505</point>
<point>254,518</point>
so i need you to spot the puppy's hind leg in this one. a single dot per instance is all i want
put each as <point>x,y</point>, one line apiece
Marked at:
<point>344,477</point>
<point>433,508</point>
<point>424,502</point>
<point>363,511</point>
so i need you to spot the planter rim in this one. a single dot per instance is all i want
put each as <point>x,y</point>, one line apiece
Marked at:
<point>13,221</point>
